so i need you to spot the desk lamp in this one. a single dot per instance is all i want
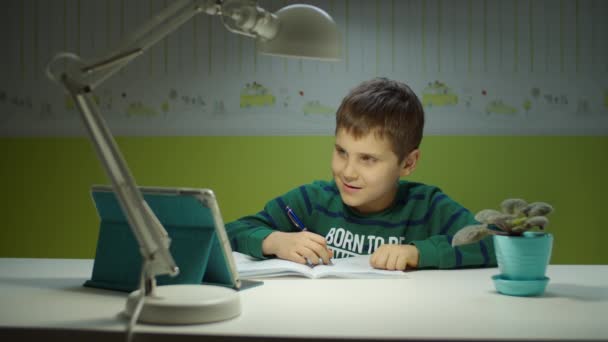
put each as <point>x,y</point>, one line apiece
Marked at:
<point>294,31</point>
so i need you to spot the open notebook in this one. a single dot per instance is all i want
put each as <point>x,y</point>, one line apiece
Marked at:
<point>353,267</point>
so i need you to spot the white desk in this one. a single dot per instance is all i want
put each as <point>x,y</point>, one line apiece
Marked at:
<point>45,297</point>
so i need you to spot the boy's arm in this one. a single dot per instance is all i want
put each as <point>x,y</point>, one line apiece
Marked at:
<point>247,234</point>
<point>252,234</point>
<point>446,219</point>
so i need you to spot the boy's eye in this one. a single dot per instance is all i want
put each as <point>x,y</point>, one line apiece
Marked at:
<point>369,159</point>
<point>340,151</point>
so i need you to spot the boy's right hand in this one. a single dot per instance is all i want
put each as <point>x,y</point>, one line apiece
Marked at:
<point>300,247</point>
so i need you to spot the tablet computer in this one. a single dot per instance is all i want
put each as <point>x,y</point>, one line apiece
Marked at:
<point>192,219</point>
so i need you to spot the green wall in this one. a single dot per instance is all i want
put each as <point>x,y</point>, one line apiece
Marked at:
<point>47,211</point>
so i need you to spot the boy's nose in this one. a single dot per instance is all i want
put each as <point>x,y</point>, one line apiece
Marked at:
<point>349,171</point>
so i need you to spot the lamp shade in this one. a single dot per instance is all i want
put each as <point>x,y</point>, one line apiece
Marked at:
<point>304,31</point>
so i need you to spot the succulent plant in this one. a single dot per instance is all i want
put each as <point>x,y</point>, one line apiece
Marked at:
<point>516,217</point>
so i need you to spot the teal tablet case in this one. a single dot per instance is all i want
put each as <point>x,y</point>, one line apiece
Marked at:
<point>194,243</point>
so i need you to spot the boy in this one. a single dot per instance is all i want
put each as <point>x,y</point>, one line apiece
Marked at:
<point>367,209</point>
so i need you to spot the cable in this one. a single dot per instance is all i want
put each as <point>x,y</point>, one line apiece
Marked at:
<point>138,307</point>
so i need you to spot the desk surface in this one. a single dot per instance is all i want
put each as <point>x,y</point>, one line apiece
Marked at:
<point>429,304</point>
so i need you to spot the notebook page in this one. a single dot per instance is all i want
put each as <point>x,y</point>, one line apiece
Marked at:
<point>250,267</point>
<point>353,267</point>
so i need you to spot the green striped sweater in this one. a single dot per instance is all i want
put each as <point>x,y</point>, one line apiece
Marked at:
<point>421,215</point>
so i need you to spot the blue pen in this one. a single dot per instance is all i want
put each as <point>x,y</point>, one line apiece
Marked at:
<point>300,225</point>
<point>295,219</point>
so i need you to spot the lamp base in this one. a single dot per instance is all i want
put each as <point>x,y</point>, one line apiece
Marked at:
<point>186,304</point>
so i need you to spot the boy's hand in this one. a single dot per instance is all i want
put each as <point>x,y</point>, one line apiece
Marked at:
<point>300,247</point>
<point>395,257</point>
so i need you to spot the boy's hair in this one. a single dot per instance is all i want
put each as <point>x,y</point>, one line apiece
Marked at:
<point>388,109</point>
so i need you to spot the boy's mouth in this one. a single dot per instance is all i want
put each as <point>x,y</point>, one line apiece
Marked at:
<point>351,187</point>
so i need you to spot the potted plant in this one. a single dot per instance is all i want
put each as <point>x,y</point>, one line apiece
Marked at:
<point>523,249</point>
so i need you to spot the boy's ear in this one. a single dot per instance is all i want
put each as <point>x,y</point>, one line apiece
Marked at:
<point>410,162</point>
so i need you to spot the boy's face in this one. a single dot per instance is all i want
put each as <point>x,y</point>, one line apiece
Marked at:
<point>366,171</point>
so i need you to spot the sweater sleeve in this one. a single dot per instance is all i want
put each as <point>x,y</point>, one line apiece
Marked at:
<point>436,251</point>
<point>247,233</point>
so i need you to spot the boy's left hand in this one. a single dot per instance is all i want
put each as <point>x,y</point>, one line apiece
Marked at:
<point>395,257</point>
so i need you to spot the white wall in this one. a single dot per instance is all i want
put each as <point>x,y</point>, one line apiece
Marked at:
<point>552,55</point>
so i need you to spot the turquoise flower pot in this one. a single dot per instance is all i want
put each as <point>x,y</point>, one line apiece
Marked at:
<point>523,257</point>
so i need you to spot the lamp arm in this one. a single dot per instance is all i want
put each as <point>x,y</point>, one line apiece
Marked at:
<point>242,17</point>
<point>80,79</point>
<point>152,238</point>
<point>93,73</point>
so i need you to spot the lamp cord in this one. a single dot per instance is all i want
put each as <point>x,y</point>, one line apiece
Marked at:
<point>138,307</point>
